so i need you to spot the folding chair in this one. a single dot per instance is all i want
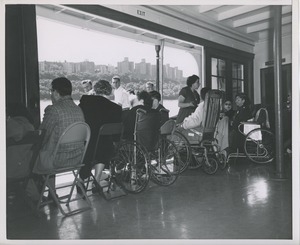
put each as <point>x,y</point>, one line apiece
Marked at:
<point>20,158</point>
<point>108,132</point>
<point>76,134</point>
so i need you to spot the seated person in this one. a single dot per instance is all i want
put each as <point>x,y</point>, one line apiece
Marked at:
<point>132,98</point>
<point>57,117</point>
<point>18,121</point>
<point>145,103</point>
<point>224,124</point>
<point>227,110</point>
<point>243,114</point>
<point>156,98</point>
<point>99,110</point>
<point>88,87</point>
<point>195,119</point>
<point>149,86</point>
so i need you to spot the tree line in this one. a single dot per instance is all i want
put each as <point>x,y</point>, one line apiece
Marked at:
<point>171,88</point>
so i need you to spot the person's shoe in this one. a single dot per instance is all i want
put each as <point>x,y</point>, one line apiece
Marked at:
<point>79,190</point>
<point>97,189</point>
<point>51,199</point>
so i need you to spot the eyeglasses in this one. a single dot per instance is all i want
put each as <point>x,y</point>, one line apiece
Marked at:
<point>227,104</point>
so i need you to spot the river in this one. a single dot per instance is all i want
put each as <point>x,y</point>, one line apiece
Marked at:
<point>169,104</point>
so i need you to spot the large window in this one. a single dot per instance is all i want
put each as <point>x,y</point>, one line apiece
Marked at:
<point>230,71</point>
<point>80,54</point>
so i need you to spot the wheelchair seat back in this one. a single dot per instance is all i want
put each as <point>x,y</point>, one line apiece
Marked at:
<point>147,127</point>
<point>211,115</point>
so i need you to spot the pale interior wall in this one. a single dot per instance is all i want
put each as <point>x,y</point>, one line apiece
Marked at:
<point>264,52</point>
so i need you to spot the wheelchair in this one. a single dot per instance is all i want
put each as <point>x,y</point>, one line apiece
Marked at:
<point>202,146</point>
<point>259,141</point>
<point>151,155</point>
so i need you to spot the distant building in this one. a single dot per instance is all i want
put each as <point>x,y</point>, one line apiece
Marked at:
<point>125,66</point>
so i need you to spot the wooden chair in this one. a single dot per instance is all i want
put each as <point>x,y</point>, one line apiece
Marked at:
<point>76,133</point>
<point>202,139</point>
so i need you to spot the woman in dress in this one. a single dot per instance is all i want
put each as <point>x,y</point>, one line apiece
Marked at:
<point>99,110</point>
<point>188,98</point>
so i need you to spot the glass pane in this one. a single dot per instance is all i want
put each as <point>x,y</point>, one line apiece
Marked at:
<point>237,71</point>
<point>214,66</point>
<point>221,68</point>
<point>214,82</point>
<point>222,84</point>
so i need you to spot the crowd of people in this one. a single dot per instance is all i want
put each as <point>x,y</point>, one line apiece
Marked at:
<point>108,102</point>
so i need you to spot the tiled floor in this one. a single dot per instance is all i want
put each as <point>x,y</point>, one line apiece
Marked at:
<point>244,201</point>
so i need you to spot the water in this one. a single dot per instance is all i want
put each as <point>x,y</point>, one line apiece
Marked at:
<point>171,105</point>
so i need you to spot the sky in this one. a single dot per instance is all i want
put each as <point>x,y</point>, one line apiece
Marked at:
<point>60,42</point>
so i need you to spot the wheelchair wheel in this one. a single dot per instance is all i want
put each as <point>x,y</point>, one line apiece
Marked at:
<point>259,146</point>
<point>132,169</point>
<point>221,160</point>
<point>165,164</point>
<point>184,149</point>
<point>196,159</point>
<point>210,166</point>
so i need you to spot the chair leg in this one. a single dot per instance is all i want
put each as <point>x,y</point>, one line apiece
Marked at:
<point>59,199</point>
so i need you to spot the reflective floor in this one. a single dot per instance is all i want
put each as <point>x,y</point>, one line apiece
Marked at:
<point>244,201</point>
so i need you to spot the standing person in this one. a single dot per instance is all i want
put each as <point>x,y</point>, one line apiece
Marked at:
<point>57,117</point>
<point>99,110</point>
<point>188,98</point>
<point>120,94</point>
<point>242,114</point>
<point>88,87</point>
<point>195,119</point>
<point>149,87</point>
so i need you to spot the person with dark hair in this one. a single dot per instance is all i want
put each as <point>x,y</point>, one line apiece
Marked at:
<point>227,110</point>
<point>99,110</point>
<point>195,119</point>
<point>188,98</point>
<point>144,102</point>
<point>242,114</point>
<point>156,98</point>
<point>156,105</point>
<point>57,117</point>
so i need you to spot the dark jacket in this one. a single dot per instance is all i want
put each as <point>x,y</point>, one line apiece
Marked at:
<point>242,115</point>
<point>97,111</point>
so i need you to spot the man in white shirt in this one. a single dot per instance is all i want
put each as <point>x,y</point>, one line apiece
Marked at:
<point>120,94</point>
<point>195,119</point>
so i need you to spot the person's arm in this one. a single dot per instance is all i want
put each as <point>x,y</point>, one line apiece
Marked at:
<point>183,104</point>
<point>195,119</point>
<point>49,121</point>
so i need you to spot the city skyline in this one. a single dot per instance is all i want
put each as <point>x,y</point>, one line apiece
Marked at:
<point>58,42</point>
<point>143,69</point>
